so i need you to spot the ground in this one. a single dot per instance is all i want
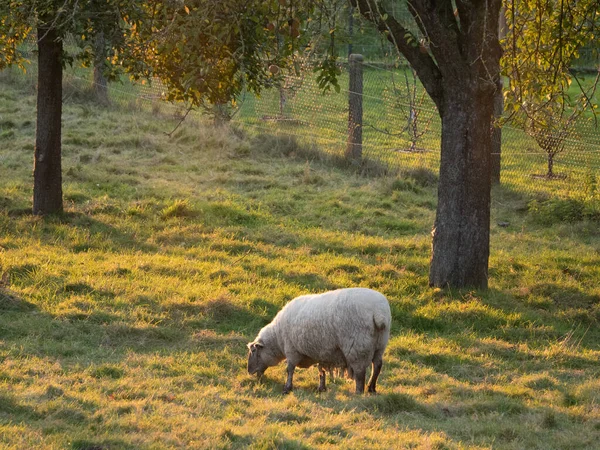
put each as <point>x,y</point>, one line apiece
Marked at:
<point>123,322</point>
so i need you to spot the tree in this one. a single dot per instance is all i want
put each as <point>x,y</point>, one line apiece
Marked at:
<point>544,38</point>
<point>551,126</point>
<point>411,101</point>
<point>454,48</point>
<point>54,20</point>
<point>100,62</point>
<point>208,52</point>
<point>456,55</point>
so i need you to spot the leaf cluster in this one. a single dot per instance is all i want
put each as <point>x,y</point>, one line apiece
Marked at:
<point>79,20</point>
<point>208,52</point>
<point>543,39</point>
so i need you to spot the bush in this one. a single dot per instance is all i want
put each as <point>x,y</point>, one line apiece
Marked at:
<point>563,210</point>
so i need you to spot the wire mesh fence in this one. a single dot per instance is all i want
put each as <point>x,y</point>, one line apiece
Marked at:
<point>400,129</point>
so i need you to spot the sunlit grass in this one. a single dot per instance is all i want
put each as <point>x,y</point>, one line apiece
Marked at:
<point>123,322</point>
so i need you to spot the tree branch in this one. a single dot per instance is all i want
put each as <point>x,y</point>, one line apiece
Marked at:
<point>407,44</point>
<point>437,17</point>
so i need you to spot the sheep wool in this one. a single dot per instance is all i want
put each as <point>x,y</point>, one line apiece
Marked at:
<point>346,328</point>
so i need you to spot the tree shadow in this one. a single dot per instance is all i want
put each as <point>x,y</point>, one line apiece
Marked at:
<point>118,239</point>
<point>11,410</point>
<point>565,298</point>
<point>10,302</point>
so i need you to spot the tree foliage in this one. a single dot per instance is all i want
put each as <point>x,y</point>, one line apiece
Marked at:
<point>545,96</point>
<point>208,52</point>
<point>80,20</point>
<point>13,30</point>
<point>544,38</point>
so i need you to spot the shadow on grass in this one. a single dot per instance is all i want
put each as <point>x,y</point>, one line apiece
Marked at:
<point>565,297</point>
<point>288,146</point>
<point>11,302</point>
<point>11,410</point>
<point>101,336</point>
<point>309,281</point>
<point>104,444</point>
<point>117,239</point>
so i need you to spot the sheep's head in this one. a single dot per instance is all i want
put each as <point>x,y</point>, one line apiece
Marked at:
<point>256,364</point>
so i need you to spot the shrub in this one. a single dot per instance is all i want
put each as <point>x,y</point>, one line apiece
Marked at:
<point>559,210</point>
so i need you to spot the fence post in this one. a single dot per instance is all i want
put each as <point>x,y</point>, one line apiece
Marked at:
<point>354,148</point>
<point>496,156</point>
<point>100,81</point>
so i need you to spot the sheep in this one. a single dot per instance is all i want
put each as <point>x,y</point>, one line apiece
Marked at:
<point>344,329</point>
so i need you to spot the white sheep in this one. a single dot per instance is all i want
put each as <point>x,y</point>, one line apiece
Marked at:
<point>346,328</point>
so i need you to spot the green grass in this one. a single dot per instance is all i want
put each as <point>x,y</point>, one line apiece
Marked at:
<point>123,322</point>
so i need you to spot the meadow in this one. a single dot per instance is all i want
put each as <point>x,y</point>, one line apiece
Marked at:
<point>123,321</point>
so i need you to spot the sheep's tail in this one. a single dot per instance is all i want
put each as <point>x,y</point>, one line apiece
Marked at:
<point>382,324</point>
<point>380,320</point>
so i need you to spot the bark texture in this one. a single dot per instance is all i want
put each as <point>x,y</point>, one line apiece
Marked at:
<point>460,249</point>
<point>47,176</point>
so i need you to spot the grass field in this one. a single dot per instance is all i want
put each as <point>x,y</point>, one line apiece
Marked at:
<point>123,322</point>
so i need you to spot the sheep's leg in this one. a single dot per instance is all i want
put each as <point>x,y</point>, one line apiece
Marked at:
<point>322,379</point>
<point>377,363</point>
<point>359,377</point>
<point>287,388</point>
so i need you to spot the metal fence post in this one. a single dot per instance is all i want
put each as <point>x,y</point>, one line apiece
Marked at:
<point>355,116</point>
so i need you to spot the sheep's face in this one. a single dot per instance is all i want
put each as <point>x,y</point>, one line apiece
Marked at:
<point>256,363</point>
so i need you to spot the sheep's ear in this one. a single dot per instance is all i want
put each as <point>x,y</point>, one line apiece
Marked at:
<point>254,345</point>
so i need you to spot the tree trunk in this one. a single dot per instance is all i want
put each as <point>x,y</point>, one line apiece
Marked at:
<point>47,176</point>
<point>461,233</point>
<point>100,82</point>
<point>550,173</point>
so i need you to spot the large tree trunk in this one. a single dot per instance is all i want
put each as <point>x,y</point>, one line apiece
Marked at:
<point>461,233</point>
<point>47,176</point>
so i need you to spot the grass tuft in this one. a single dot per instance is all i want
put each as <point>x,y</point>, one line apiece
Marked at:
<point>107,371</point>
<point>178,208</point>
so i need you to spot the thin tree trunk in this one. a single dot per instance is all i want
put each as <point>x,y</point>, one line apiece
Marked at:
<point>47,176</point>
<point>100,81</point>
<point>461,233</point>
<point>550,173</point>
